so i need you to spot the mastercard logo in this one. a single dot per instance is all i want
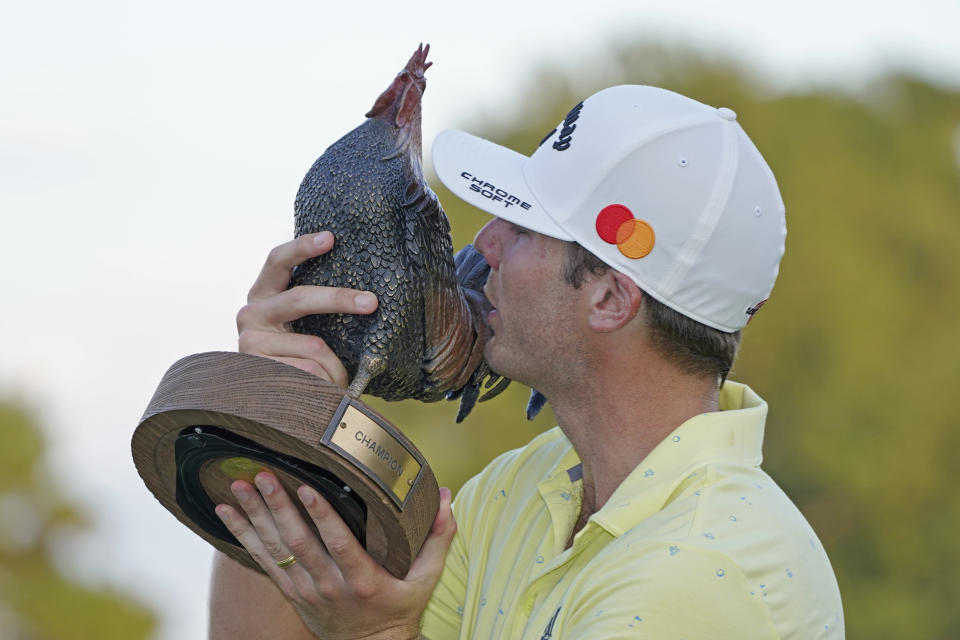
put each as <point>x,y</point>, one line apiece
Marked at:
<point>616,225</point>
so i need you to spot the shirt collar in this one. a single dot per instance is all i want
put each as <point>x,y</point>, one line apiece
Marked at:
<point>733,434</point>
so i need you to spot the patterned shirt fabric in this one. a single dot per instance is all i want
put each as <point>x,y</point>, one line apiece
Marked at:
<point>697,542</point>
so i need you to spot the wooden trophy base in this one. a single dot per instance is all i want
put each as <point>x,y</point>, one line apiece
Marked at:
<point>219,417</point>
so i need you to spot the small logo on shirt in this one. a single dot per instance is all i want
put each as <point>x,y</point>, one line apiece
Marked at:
<point>548,632</point>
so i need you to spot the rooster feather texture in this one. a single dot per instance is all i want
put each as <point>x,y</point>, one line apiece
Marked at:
<point>426,338</point>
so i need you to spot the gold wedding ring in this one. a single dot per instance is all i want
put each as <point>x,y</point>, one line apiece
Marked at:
<point>289,561</point>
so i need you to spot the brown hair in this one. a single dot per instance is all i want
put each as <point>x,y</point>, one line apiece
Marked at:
<point>693,346</point>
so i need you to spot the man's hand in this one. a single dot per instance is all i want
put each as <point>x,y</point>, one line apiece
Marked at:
<point>336,587</point>
<point>264,323</point>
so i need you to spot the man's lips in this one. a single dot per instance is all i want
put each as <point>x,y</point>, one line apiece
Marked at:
<point>491,314</point>
<point>486,294</point>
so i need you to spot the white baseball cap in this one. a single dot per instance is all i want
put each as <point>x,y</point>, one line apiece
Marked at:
<point>665,189</point>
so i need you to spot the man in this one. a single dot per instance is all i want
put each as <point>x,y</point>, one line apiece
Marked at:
<point>627,253</point>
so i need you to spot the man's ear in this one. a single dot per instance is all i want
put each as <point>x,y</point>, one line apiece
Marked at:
<point>615,301</point>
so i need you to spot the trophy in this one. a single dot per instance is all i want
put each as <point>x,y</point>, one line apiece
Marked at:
<point>221,417</point>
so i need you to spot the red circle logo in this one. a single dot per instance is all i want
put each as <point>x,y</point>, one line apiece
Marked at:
<point>617,225</point>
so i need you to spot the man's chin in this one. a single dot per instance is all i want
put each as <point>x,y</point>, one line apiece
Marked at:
<point>488,351</point>
<point>491,353</point>
<point>505,368</point>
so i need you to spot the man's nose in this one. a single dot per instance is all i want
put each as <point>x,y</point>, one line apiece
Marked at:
<point>487,242</point>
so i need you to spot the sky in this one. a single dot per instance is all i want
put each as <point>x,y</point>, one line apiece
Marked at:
<point>150,153</point>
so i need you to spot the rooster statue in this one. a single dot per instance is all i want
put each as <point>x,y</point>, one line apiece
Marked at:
<point>425,341</point>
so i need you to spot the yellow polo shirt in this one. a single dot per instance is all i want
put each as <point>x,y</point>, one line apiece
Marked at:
<point>697,542</point>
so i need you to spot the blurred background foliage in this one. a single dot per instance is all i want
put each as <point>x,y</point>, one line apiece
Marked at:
<point>37,600</point>
<point>856,352</point>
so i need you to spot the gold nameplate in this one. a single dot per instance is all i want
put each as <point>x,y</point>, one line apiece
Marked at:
<point>374,448</point>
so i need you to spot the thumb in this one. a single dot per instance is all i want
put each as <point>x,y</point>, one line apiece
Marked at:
<point>429,563</point>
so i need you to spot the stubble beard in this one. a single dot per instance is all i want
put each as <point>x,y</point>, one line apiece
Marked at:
<point>534,363</point>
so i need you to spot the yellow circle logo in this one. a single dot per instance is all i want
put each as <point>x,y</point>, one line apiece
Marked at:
<point>617,225</point>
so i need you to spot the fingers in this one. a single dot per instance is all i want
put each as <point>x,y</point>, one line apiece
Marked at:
<point>275,275</point>
<point>273,531</point>
<point>248,536</point>
<point>335,585</point>
<point>291,304</point>
<point>428,565</point>
<point>309,353</point>
<point>343,547</point>
<point>263,523</point>
<point>263,324</point>
<point>292,532</point>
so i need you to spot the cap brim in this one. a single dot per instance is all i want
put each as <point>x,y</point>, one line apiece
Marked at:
<point>490,177</point>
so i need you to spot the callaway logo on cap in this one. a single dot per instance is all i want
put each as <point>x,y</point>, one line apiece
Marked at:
<point>665,189</point>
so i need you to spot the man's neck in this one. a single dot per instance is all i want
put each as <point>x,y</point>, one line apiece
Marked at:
<point>614,424</point>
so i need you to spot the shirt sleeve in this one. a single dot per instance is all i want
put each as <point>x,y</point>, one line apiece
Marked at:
<point>444,617</point>
<point>668,592</point>
<point>444,614</point>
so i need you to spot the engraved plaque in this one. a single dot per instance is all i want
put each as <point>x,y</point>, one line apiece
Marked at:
<point>372,445</point>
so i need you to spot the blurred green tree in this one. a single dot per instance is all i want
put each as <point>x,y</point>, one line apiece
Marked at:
<point>857,351</point>
<point>36,600</point>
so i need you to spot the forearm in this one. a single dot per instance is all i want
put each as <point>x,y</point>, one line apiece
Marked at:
<point>333,586</point>
<point>246,604</point>
<point>233,589</point>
